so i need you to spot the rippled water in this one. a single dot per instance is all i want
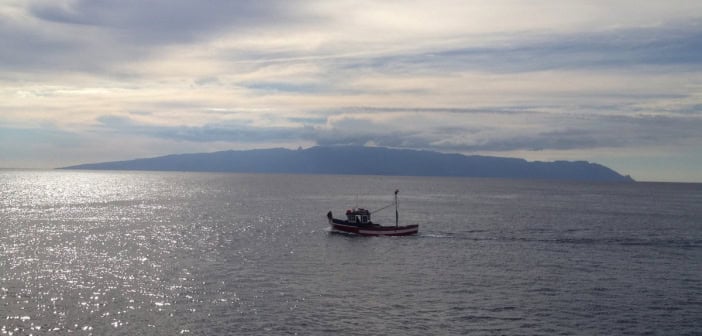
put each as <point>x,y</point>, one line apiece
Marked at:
<point>127,253</point>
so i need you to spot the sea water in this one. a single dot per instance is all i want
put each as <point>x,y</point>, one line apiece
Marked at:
<point>129,253</point>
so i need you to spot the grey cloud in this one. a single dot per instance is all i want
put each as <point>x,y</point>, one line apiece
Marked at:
<point>92,36</point>
<point>207,81</point>
<point>670,44</point>
<point>24,47</point>
<point>351,131</point>
<point>309,120</point>
<point>112,121</point>
<point>595,132</point>
<point>553,140</point>
<point>272,87</point>
<point>599,132</point>
<point>555,133</point>
<point>456,110</point>
<point>124,31</point>
<point>228,132</point>
<point>164,21</point>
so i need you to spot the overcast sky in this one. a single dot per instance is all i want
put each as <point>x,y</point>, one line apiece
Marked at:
<point>613,82</point>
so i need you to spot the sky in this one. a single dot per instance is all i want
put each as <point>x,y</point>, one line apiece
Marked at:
<point>616,82</point>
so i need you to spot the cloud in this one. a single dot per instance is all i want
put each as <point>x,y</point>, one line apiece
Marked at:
<point>222,132</point>
<point>110,37</point>
<point>672,44</point>
<point>537,132</point>
<point>437,131</point>
<point>502,77</point>
<point>101,35</point>
<point>163,21</point>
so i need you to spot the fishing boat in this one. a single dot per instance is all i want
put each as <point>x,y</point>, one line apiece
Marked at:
<point>358,221</point>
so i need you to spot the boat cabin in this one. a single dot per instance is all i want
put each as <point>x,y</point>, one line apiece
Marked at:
<point>358,216</point>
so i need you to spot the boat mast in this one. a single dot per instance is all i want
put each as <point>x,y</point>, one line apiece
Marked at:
<point>397,215</point>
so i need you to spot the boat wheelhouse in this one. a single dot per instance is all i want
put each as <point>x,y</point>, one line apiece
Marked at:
<point>358,216</point>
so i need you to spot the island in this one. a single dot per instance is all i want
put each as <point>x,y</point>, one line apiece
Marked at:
<point>364,160</point>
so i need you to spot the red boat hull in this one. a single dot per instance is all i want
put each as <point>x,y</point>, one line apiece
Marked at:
<point>373,230</point>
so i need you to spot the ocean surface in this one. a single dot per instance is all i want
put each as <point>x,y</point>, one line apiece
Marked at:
<point>150,253</point>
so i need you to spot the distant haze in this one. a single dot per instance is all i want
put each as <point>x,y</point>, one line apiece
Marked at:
<point>616,82</point>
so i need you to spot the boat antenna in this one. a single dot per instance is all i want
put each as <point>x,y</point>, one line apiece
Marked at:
<point>397,214</point>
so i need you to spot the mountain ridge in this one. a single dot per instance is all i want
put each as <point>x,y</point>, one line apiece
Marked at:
<point>361,160</point>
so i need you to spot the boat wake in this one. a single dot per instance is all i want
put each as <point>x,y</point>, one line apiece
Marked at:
<point>438,235</point>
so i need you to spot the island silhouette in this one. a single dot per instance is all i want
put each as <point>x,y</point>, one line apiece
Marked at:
<point>362,160</point>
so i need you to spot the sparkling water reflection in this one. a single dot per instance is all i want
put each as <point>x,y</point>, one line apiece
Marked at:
<point>173,253</point>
